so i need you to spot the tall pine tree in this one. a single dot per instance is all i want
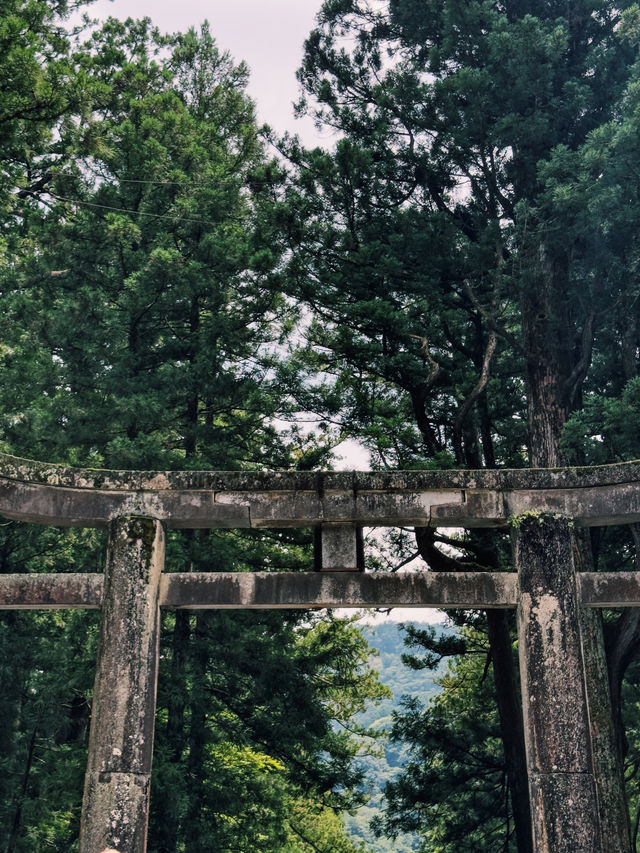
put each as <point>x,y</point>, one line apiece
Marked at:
<point>143,307</point>
<point>459,299</point>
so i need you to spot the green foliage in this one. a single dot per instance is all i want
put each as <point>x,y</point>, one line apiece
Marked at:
<point>47,666</point>
<point>313,828</point>
<point>384,767</point>
<point>141,300</point>
<point>462,273</point>
<point>468,254</point>
<point>40,86</point>
<point>280,697</point>
<point>453,789</point>
<point>390,643</point>
<point>150,254</point>
<point>442,158</point>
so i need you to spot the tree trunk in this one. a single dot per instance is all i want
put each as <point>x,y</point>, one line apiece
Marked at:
<point>192,836</point>
<point>17,816</point>
<point>168,828</point>
<point>511,725</point>
<point>547,337</point>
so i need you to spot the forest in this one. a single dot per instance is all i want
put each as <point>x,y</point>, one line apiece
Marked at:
<point>452,282</point>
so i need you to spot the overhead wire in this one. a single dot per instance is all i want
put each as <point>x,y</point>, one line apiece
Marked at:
<point>158,183</point>
<point>128,210</point>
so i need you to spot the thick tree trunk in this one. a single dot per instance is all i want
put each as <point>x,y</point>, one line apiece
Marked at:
<point>167,832</point>
<point>505,674</point>
<point>192,836</point>
<point>547,337</point>
<point>607,761</point>
<point>621,649</point>
<point>511,725</point>
<point>17,816</point>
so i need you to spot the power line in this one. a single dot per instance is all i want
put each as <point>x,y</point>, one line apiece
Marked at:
<point>158,183</point>
<point>128,210</point>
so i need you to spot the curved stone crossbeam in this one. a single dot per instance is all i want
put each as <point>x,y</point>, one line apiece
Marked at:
<point>66,496</point>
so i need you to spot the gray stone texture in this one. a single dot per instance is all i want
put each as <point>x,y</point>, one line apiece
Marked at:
<point>116,798</point>
<point>54,494</point>
<point>565,694</point>
<point>564,804</point>
<point>340,548</point>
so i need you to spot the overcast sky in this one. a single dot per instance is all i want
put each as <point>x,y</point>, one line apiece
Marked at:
<point>267,34</point>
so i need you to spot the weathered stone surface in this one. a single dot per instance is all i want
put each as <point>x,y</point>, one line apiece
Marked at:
<point>27,470</point>
<point>228,508</point>
<point>590,506</point>
<point>46,591</point>
<point>478,508</point>
<point>610,589</point>
<point>568,812</point>
<point>339,548</point>
<point>256,590</point>
<point>51,494</point>
<point>556,718</point>
<point>115,806</point>
<point>50,591</point>
<point>202,509</point>
<point>122,801</point>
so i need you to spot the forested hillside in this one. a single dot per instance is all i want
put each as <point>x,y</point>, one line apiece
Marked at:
<point>388,640</point>
<point>452,282</point>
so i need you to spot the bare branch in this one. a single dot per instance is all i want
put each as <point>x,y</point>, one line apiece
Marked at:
<point>406,561</point>
<point>576,378</point>
<point>473,396</point>
<point>491,320</point>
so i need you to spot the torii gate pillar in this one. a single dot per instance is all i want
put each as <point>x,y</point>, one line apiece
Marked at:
<point>563,783</point>
<point>116,796</point>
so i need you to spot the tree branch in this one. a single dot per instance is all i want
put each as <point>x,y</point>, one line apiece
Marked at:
<point>473,396</point>
<point>491,320</point>
<point>419,395</point>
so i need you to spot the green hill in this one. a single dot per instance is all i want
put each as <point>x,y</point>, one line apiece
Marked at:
<point>388,640</point>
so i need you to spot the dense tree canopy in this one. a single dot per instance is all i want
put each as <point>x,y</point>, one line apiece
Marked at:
<point>141,302</point>
<point>462,267</point>
<point>40,86</point>
<point>467,251</point>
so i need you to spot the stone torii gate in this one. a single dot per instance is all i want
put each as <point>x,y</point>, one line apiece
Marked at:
<point>551,594</point>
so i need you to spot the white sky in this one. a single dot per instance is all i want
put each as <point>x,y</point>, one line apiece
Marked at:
<point>267,34</point>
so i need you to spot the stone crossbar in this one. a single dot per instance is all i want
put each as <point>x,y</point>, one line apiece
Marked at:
<point>559,636</point>
<point>310,590</point>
